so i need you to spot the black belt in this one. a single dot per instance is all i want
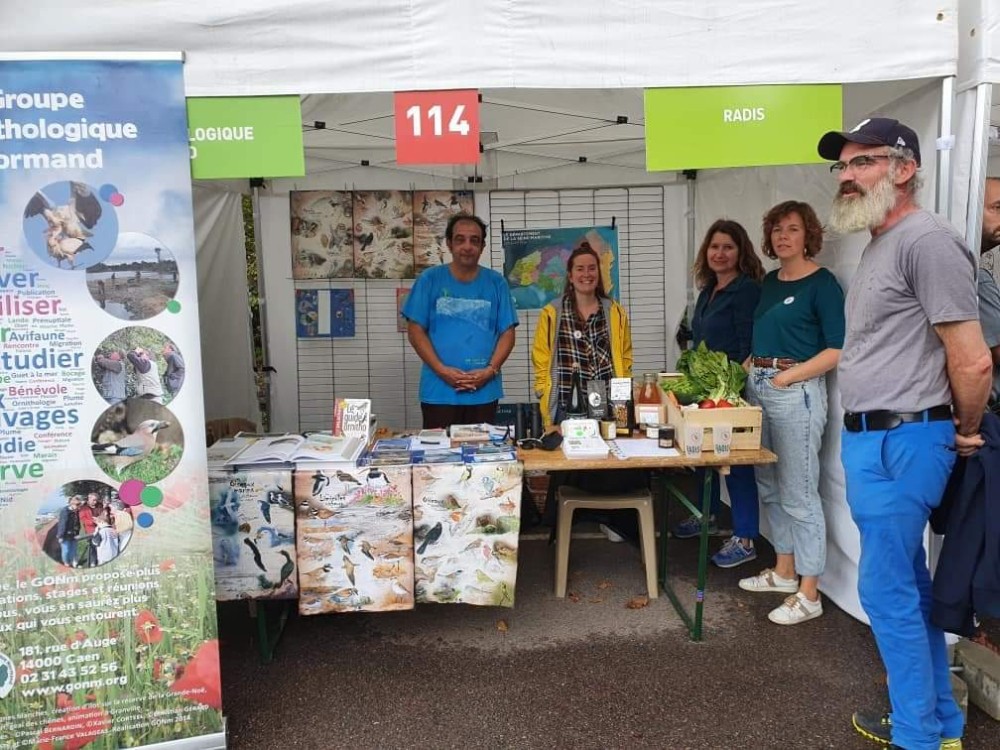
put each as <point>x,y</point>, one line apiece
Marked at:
<point>859,421</point>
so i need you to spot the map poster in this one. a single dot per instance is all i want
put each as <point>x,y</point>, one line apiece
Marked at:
<point>534,261</point>
<point>108,633</point>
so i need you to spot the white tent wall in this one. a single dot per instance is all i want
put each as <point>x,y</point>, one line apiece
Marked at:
<point>226,347</point>
<point>259,47</point>
<point>746,194</point>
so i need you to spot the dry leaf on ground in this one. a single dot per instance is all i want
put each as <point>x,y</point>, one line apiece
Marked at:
<point>502,626</point>
<point>595,600</point>
<point>604,585</point>
<point>637,602</point>
<point>573,597</point>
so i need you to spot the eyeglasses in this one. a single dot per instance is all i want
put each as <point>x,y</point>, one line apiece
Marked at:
<point>858,163</point>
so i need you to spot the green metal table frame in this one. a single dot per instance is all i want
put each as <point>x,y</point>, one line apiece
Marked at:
<point>269,627</point>
<point>668,491</point>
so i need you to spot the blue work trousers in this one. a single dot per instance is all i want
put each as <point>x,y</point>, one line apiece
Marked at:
<point>895,478</point>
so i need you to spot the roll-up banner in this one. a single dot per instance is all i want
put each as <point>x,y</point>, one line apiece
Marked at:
<point>108,634</point>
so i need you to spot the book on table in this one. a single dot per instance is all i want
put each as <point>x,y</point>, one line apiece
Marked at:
<point>226,448</point>
<point>352,417</point>
<point>290,449</point>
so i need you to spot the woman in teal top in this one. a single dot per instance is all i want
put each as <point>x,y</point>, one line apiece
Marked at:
<point>798,332</point>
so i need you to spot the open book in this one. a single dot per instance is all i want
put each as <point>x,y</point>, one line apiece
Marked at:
<point>287,449</point>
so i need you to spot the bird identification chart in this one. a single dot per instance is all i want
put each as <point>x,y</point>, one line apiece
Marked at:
<point>253,534</point>
<point>355,539</point>
<point>108,634</point>
<point>466,522</point>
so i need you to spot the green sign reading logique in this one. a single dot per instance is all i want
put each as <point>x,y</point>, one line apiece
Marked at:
<point>245,136</point>
<point>738,126</point>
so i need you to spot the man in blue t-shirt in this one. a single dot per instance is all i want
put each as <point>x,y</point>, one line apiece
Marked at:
<point>461,324</point>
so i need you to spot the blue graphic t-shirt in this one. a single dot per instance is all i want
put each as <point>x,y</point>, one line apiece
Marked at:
<point>463,321</point>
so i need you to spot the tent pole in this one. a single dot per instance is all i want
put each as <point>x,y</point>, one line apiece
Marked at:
<point>692,245</point>
<point>265,374</point>
<point>945,144</point>
<point>977,170</point>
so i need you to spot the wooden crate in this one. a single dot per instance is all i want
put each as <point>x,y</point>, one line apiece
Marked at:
<point>744,419</point>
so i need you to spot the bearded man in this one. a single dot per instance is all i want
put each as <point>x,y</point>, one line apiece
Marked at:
<point>914,377</point>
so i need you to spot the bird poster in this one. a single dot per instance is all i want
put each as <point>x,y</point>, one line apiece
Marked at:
<point>322,234</point>
<point>383,234</point>
<point>431,211</point>
<point>401,323</point>
<point>534,261</point>
<point>104,495</point>
<point>466,523</point>
<point>355,538</point>
<point>253,534</point>
<point>341,313</point>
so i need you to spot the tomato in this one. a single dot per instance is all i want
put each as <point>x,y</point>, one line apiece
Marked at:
<point>723,404</point>
<point>706,404</point>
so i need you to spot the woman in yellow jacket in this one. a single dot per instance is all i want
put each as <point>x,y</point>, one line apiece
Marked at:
<point>583,328</point>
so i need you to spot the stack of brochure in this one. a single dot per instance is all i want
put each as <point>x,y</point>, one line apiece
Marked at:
<point>584,447</point>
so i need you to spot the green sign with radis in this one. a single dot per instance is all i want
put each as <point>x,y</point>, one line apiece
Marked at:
<point>738,126</point>
<point>245,136</point>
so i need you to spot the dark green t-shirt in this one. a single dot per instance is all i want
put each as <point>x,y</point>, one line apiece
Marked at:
<point>799,319</point>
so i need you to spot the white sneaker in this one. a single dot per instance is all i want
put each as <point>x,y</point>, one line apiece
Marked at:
<point>768,580</point>
<point>796,609</point>
<point>611,534</point>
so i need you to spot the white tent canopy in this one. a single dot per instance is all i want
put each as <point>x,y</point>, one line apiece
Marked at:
<point>301,46</point>
<point>344,58</point>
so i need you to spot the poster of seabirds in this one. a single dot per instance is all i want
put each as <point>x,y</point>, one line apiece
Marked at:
<point>253,535</point>
<point>466,522</point>
<point>355,539</point>
<point>322,234</point>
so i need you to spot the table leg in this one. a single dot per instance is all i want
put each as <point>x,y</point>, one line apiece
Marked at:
<point>268,637</point>
<point>693,624</point>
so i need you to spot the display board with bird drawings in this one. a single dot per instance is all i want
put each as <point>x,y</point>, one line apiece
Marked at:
<point>253,534</point>
<point>431,211</point>
<point>466,522</point>
<point>322,234</point>
<point>355,539</point>
<point>383,234</point>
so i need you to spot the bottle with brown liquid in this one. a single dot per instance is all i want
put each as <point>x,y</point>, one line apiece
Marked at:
<point>647,403</point>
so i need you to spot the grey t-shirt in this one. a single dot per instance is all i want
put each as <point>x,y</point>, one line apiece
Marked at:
<point>917,274</point>
<point>989,317</point>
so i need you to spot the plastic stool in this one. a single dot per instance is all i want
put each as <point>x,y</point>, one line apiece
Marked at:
<point>570,498</point>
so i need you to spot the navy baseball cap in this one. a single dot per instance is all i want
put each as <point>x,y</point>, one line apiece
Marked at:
<point>875,131</point>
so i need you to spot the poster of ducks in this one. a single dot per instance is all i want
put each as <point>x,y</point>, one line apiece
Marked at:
<point>355,539</point>
<point>253,535</point>
<point>431,211</point>
<point>466,520</point>
<point>322,234</point>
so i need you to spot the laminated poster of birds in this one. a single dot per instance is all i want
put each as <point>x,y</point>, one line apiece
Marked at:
<point>355,539</point>
<point>381,234</point>
<point>108,631</point>
<point>253,535</point>
<point>466,522</point>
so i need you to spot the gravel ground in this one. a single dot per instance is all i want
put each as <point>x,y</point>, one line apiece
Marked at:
<point>580,672</point>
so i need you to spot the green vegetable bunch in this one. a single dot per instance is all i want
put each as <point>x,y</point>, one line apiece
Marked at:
<point>706,374</point>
